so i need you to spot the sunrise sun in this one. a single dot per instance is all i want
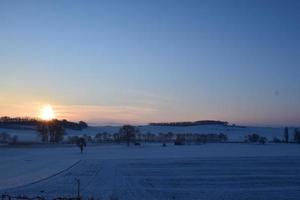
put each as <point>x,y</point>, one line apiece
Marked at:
<point>47,113</point>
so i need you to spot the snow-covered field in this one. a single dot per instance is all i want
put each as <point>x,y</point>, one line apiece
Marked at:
<point>23,135</point>
<point>210,171</point>
<point>19,166</point>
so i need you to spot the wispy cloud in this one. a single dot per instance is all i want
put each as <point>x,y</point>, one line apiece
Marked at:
<point>104,114</point>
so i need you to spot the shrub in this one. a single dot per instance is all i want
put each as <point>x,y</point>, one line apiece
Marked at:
<point>14,140</point>
<point>137,144</point>
<point>180,140</point>
<point>286,134</point>
<point>255,138</point>
<point>252,138</point>
<point>276,140</point>
<point>262,140</point>
<point>4,137</point>
<point>73,139</point>
<point>128,133</point>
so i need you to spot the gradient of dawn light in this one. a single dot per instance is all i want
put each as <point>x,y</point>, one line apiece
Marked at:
<point>144,61</point>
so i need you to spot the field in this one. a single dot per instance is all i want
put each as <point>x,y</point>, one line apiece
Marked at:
<point>211,171</point>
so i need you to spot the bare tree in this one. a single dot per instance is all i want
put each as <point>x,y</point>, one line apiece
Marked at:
<point>286,134</point>
<point>51,131</point>
<point>128,133</point>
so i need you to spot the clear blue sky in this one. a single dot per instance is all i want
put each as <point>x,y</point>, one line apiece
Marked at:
<point>144,61</point>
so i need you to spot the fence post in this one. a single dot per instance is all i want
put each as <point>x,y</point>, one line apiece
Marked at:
<point>78,188</point>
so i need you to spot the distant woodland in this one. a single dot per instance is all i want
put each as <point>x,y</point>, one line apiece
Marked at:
<point>28,123</point>
<point>196,123</point>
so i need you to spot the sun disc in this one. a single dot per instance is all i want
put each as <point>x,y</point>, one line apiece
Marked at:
<point>47,113</point>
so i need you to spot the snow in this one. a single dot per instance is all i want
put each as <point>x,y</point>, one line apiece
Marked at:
<point>210,171</point>
<point>23,135</point>
<point>19,166</point>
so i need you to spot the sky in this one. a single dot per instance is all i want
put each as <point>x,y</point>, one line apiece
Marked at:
<point>114,62</point>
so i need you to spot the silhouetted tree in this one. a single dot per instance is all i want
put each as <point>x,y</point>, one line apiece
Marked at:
<point>42,129</point>
<point>4,137</point>
<point>87,138</point>
<point>262,140</point>
<point>138,137</point>
<point>6,121</point>
<point>253,137</point>
<point>297,136</point>
<point>51,131</point>
<point>286,134</point>
<point>170,136</point>
<point>73,139</point>
<point>56,131</point>
<point>82,124</point>
<point>73,125</point>
<point>196,123</point>
<point>223,137</point>
<point>276,140</point>
<point>117,137</point>
<point>180,140</point>
<point>16,121</point>
<point>127,133</point>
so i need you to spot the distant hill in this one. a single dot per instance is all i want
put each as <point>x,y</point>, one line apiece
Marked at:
<point>196,123</point>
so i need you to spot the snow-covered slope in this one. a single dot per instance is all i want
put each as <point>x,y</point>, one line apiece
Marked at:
<point>233,133</point>
<point>23,135</point>
<point>19,166</point>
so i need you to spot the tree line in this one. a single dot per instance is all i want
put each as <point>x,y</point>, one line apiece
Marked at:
<point>25,121</point>
<point>196,123</point>
<point>287,137</point>
<point>255,138</point>
<point>16,122</point>
<point>131,135</point>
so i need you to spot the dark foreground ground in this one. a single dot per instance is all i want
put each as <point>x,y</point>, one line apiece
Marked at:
<point>232,178</point>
